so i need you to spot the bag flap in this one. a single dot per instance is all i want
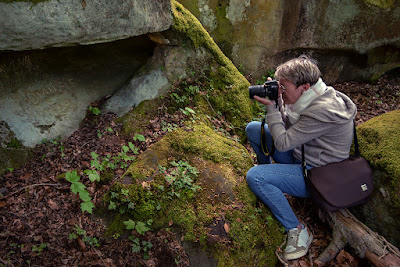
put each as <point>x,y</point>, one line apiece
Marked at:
<point>343,183</point>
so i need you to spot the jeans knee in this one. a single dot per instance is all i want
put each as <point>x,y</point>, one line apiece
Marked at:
<point>253,177</point>
<point>252,127</point>
<point>250,177</point>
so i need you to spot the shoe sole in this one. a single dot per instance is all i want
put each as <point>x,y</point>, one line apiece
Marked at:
<point>295,256</point>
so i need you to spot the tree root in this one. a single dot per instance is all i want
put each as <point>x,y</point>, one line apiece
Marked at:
<point>348,230</point>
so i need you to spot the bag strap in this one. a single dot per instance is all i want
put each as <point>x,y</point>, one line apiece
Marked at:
<point>264,141</point>
<point>357,151</point>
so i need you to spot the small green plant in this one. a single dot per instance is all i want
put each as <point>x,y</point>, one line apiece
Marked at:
<point>39,249</point>
<point>187,111</point>
<point>81,233</point>
<point>119,161</point>
<point>139,137</point>
<point>95,110</point>
<point>181,176</point>
<point>140,227</point>
<point>100,133</point>
<point>93,175</point>
<point>78,188</point>
<point>144,245</point>
<point>179,99</point>
<point>57,142</point>
<point>168,127</point>
<point>271,73</point>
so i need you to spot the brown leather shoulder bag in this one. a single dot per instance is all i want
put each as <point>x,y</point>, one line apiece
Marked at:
<point>341,184</point>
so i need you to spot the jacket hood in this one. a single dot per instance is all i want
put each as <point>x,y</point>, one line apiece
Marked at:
<point>332,107</point>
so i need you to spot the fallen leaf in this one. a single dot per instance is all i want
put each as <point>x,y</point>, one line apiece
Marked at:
<point>81,244</point>
<point>226,228</point>
<point>3,203</point>
<point>52,204</point>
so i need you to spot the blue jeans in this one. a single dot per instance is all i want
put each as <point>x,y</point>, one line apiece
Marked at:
<point>269,181</point>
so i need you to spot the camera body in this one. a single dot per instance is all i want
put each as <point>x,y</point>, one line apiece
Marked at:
<point>268,89</point>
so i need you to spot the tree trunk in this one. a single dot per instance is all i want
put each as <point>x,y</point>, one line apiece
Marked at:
<point>348,230</point>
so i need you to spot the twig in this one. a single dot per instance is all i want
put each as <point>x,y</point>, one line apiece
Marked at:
<point>279,254</point>
<point>28,186</point>
<point>212,108</point>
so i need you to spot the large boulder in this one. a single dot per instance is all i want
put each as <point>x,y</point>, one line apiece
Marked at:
<point>351,39</point>
<point>193,181</point>
<point>27,26</point>
<point>46,93</point>
<point>379,140</point>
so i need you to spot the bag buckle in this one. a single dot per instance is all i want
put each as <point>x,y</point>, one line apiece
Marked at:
<point>364,187</point>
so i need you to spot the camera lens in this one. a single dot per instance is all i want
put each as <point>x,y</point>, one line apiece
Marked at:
<point>257,90</point>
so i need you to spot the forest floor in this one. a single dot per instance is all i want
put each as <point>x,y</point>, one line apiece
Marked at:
<point>42,224</point>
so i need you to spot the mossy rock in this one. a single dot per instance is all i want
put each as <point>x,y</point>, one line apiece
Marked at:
<point>13,158</point>
<point>379,140</point>
<point>231,94</point>
<point>209,204</point>
<point>224,88</point>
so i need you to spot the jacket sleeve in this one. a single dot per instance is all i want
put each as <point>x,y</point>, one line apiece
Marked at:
<point>304,130</point>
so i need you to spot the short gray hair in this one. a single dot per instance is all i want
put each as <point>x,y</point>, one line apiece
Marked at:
<point>299,71</point>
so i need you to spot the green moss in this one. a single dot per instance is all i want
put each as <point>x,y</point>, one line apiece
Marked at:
<point>107,176</point>
<point>379,140</point>
<point>223,33</point>
<point>206,143</point>
<point>13,157</point>
<point>224,195</point>
<point>134,122</point>
<point>231,86</point>
<point>385,4</point>
<point>15,143</point>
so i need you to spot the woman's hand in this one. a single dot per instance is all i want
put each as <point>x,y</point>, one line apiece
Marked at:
<point>264,101</point>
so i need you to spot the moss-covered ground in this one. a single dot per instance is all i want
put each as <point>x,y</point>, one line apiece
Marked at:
<point>191,179</point>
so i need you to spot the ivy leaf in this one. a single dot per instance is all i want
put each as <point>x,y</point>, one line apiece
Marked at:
<point>77,187</point>
<point>72,177</point>
<point>87,206</point>
<point>139,137</point>
<point>125,149</point>
<point>93,175</point>
<point>133,148</point>
<point>130,225</point>
<point>85,196</point>
<point>94,155</point>
<point>141,228</point>
<point>136,245</point>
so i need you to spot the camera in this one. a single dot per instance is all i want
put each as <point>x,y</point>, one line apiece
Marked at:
<point>268,89</point>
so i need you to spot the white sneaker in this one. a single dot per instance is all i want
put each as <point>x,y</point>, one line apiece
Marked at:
<point>298,242</point>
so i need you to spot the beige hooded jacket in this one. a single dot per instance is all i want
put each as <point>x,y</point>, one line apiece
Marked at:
<point>325,127</point>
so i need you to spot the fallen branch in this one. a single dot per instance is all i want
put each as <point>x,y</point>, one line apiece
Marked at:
<point>348,230</point>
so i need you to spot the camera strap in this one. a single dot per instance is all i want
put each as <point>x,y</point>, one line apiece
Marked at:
<point>264,141</point>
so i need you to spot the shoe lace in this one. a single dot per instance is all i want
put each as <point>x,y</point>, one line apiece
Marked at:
<point>293,236</point>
